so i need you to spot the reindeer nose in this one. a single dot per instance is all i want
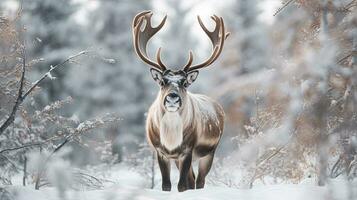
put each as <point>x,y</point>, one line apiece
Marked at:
<point>173,97</point>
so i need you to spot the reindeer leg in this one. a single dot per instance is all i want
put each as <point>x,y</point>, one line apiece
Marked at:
<point>185,166</point>
<point>177,162</point>
<point>191,175</point>
<point>204,166</point>
<point>191,179</point>
<point>164,165</point>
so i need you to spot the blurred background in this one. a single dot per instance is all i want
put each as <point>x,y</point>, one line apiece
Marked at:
<point>286,79</point>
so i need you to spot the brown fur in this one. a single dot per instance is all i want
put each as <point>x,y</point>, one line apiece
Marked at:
<point>203,121</point>
<point>193,124</point>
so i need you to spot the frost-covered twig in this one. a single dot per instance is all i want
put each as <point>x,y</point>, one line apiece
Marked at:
<point>11,162</point>
<point>344,58</point>
<point>350,5</point>
<point>21,97</point>
<point>52,107</point>
<point>336,168</point>
<point>88,180</point>
<point>260,162</point>
<point>284,6</point>
<point>48,73</point>
<point>344,97</point>
<point>74,133</point>
<point>21,147</point>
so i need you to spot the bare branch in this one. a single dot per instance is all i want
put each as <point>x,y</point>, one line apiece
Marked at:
<point>282,8</point>
<point>51,69</point>
<point>21,97</point>
<point>350,5</point>
<point>344,58</point>
<point>21,147</point>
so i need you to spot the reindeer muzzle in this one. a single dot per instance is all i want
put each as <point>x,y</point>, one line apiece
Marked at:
<point>172,102</point>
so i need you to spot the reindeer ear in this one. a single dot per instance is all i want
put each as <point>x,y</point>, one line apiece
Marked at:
<point>156,75</point>
<point>191,77</point>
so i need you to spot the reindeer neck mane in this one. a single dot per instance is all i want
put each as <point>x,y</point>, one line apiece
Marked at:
<point>197,110</point>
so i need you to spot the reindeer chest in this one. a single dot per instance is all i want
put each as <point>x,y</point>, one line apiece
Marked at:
<point>169,136</point>
<point>171,130</point>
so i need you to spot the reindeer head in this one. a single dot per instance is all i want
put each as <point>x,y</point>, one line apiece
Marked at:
<point>174,84</point>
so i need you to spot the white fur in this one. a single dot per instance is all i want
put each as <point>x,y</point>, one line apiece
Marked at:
<point>204,110</point>
<point>171,130</point>
<point>196,111</point>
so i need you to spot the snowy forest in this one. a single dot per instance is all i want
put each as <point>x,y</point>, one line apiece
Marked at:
<point>74,98</point>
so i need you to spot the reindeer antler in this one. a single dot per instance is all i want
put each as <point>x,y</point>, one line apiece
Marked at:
<point>217,37</point>
<point>141,38</point>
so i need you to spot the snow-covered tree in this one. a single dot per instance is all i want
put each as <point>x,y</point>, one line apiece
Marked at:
<point>52,34</point>
<point>250,35</point>
<point>121,84</point>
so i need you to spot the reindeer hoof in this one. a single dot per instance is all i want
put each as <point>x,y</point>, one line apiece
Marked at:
<point>191,186</point>
<point>182,187</point>
<point>200,184</point>
<point>166,187</point>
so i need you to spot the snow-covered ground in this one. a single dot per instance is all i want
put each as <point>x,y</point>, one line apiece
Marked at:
<point>128,184</point>
<point>272,192</point>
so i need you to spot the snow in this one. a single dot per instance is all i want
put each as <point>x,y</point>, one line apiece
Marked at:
<point>124,182</point>
<point>49,75</point>
<point>271,192</point>
<point>174,78</point>
<point>269,79</point>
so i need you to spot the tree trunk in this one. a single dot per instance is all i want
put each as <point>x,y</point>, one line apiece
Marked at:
<point>25,172</point>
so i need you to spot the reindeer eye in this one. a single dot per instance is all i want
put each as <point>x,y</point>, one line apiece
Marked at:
<point>182,82</point>
<point>165,81</point>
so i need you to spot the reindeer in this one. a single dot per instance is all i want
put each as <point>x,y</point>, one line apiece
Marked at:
<point>181,125</point>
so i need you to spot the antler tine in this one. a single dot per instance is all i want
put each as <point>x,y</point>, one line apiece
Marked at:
<point>141,37</point>
<point>189,62</point>
<point>222,37</point>
<point>217,37</point>
<point>216,30</point>
<point>158,58</point>
<point>138,16</point>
